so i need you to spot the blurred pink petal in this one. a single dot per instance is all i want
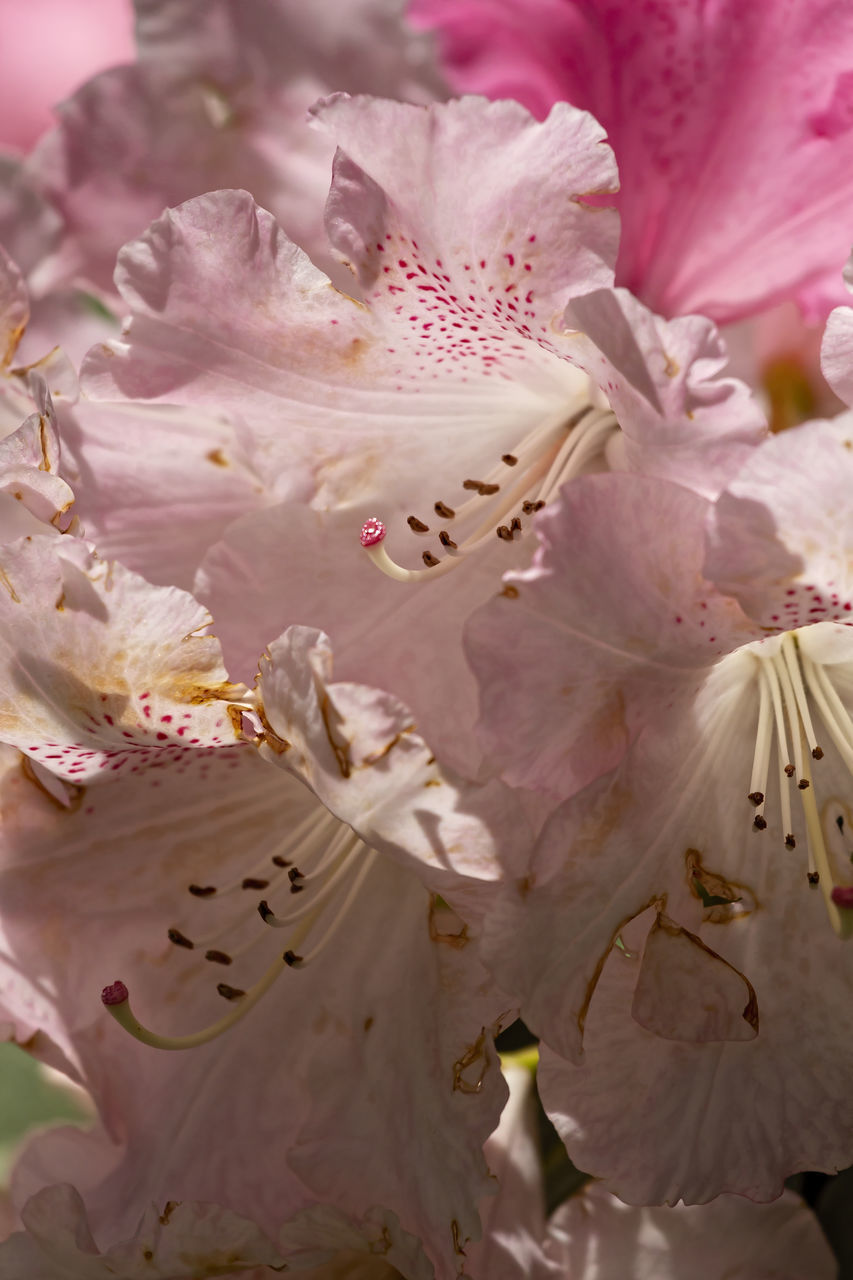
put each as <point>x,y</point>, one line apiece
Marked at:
<point>47,49</point>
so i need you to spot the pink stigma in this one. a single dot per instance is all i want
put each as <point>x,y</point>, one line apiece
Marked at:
<point>372,531</point>
<point>116,993</point>
<point>842,895</point>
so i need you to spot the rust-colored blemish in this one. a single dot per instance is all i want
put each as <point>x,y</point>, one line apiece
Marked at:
<point>368,1023</point>
<point>12,345</point>
<point>433,782</point>
<point>339,750</point>
<point>6,582</point>
<point>457,1243</point>
<point>44,465</point>
<point>456,940</point>
<point>740,900</point>
<point>217,457</point>
<point>750,1009</point>
<point>376,756</point>
<point>270,737</point>
<point>475,1053</point>
<point>168,1209</point>
<point>671,368</point>
<point>60,604</point>
<point>380,1246</point>
<point>509,591</point>
<point>602,960</point>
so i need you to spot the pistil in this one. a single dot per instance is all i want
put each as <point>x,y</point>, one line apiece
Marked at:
<point>336,865</point>
<point>515,488</point>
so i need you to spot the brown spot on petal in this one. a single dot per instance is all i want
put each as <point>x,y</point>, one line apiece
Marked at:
<point>168,1209</point>
<point>217,457</point>
<point>509,591</point>
<point>441,919</point>
<point>340,749</point>
<point>475,1056</point>
<point>723,900</point>
<point>376,756</point>
<point>4,581</point>
<point>457,1243</point>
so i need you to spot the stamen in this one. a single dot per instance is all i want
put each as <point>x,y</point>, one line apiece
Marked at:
<point>761,757</point>
<point>548,456</point>
<point>117,1001</point>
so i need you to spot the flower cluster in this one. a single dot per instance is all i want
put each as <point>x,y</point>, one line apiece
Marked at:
<point>409,623</point>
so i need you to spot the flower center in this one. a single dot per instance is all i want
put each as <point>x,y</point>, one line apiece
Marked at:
<point>310,901</point>
<point>791,685</point>
<point>516,487</point>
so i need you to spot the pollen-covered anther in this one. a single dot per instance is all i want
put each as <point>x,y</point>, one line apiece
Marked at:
<point>429,559</point>
<point>509,459</point>
<point>252,882</point>
<point>757,797</point>
<point>179,939</point>
<point>790,842</point>
<point>202,890</point>
<point>416,525</point>
<point>446,540</point>
<point>218,957</point>
<point>443,510</point>
<point>803,784</point>
<point>759,823</point>
<point>229,993</point>
<point>817,753</point>
<point>813,878</point>
<point>291,959</point>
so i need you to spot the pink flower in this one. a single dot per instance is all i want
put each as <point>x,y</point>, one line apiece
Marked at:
<point>148,840</point>
<point>217,98</point>
<point>50,48</point>
<point>485,366</point>
<point>730,125</point>
<point>678,941</point>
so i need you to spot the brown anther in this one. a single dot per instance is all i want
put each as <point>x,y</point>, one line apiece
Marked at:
<point>429,559</point>
<point>789,771</point>
<point>443,510</point>
<point>814,877</point>
<point>510,459</point>
<point>759,823</point>
<point>530,508</point>
<point>251,883</point>
<point>803,784</point>
<point>294,874</point>
<point>229,993</point>
<point>279,861</point>
<point>218,957</point>
<point>265,911</point>
<point>790,842</point>
<point>817,754</point>
<point>446,540</point>
<point>757,797</point>
<point>515,525</point>
<point>504,533</point>
<point>486,490</point>
<point>180,939</point>
<point>202,890</point>
<point>475,485</point>
<point>416,525</point>
<point>291,958</point>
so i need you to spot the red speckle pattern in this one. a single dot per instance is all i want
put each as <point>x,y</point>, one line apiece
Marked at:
<point>459,316</point>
